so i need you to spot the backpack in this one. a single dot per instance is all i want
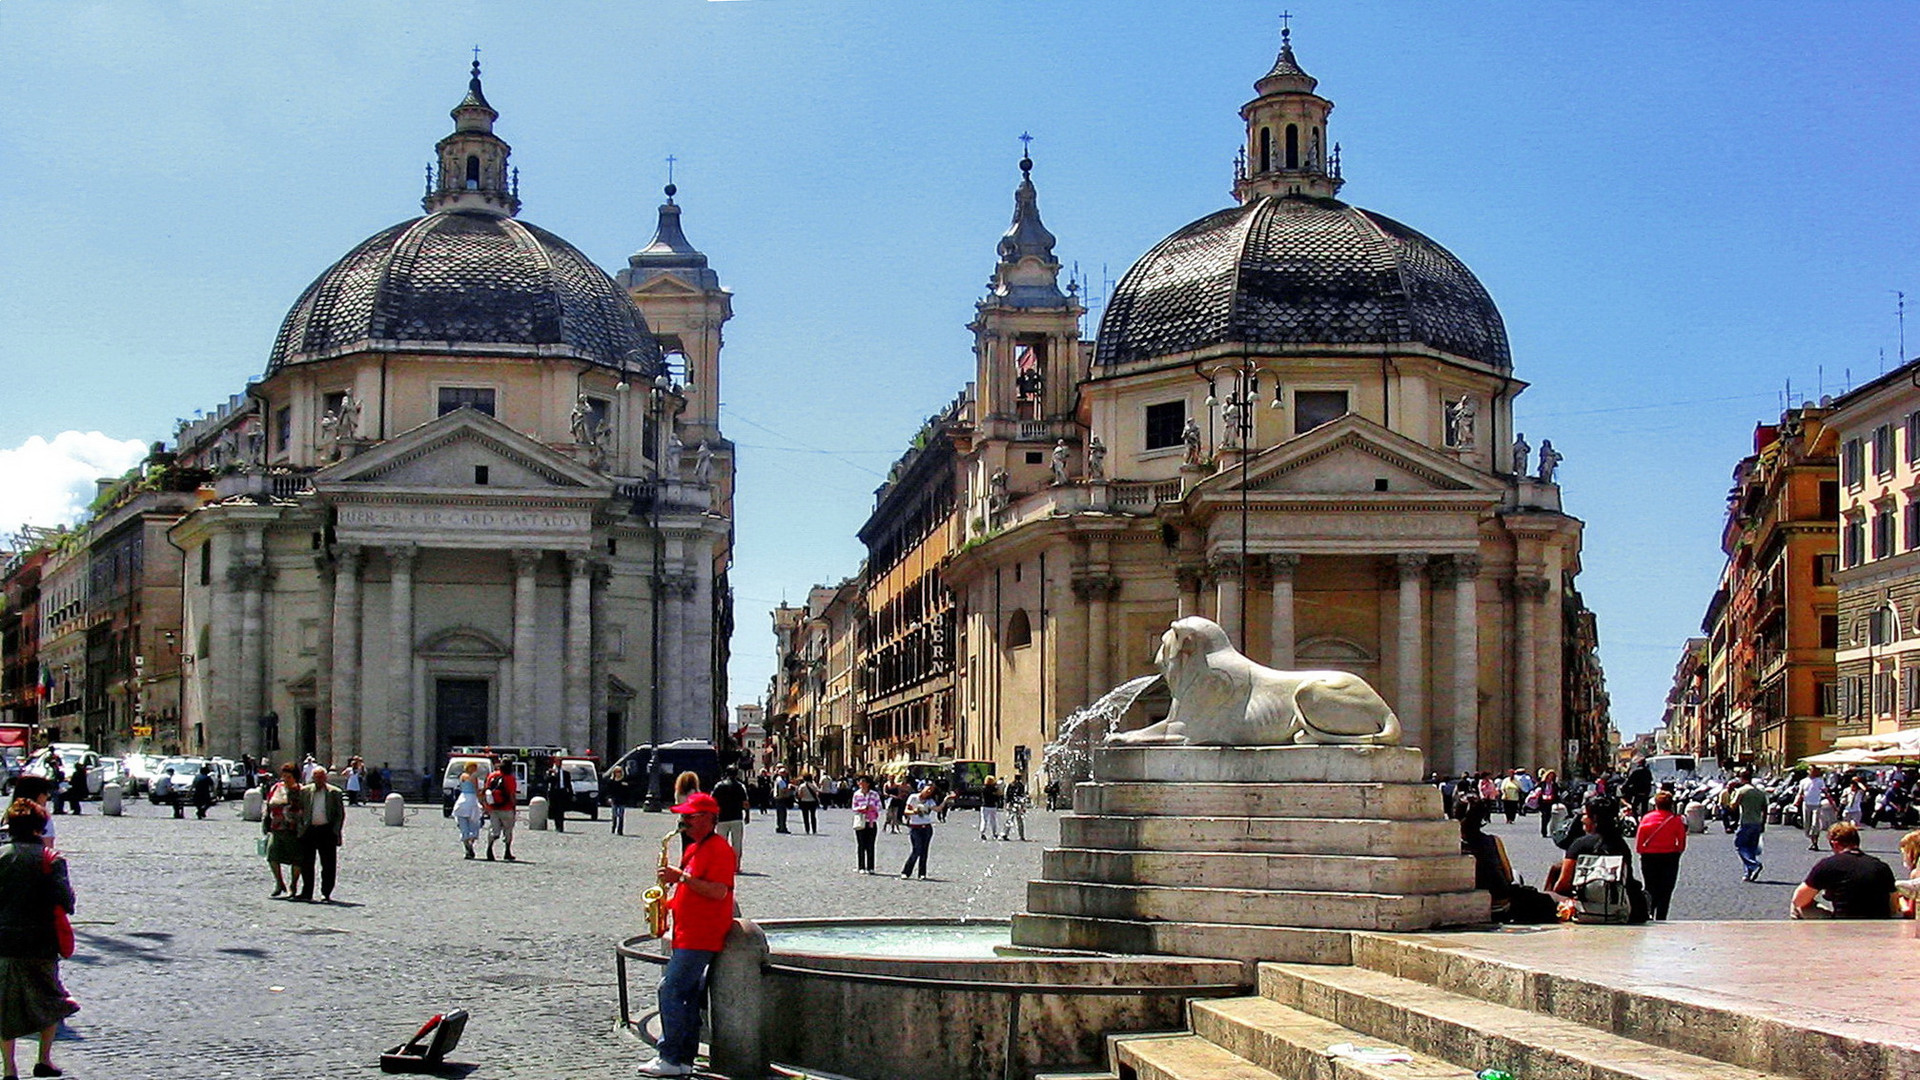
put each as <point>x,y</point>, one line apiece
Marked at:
<point>1605,891</point>
<point>497,796</point>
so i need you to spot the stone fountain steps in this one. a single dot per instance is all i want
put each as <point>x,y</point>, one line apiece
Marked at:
<point>1355,801</point>
<point>1310,908</point>
<point>1184,938</point>
<point>1455,1028</point>
<point>1259,764</point>
<point>1273,835</point>
<point>1226,870</point>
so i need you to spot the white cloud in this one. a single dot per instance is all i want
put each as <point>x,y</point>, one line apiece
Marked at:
<point>51,482</point>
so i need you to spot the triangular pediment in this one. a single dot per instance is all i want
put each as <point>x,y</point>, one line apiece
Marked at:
<point>664,285</point>
<point>444,453</point>
<point>1350,456</point>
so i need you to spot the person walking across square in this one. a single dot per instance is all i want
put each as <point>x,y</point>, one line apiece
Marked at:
<point>500,795</point>
<point>731,795</point>
<point>320,836</point>
<point>866,824</point>
<point>921,809</point>
<point>1750,807</point>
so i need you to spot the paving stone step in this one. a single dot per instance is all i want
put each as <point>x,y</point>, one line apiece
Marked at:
<point>1469,1031</point>
<point>1182,1057</point>
<point>1262,870</point>
<point>1260,907</point>
<point>1695,1023</point>
<point>1243,943</point>
<point>1286,836</point>
<point>1097,1074</point>
<point>1396,802</point>
<point>1291,1043</point>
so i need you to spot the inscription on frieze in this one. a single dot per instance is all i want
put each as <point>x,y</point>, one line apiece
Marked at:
<point>489,519</point>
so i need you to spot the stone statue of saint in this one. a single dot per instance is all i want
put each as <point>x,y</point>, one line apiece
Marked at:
<point>1521,451</point>
<point>1221,698</point>
<point>997,495</point>
<point>1460,422</point>
<point>1550,460</point>
<point>349,417</point>
<point>1096,459</point>
<point>675,451</point>
<point>1060,463</point>
<point>581,421</point>
<point>1230,424</point>
<point>703,464</point>
<point>1190,435</point>
<point>330,434</point>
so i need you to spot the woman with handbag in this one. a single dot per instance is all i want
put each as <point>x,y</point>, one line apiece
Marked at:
<point>807,794</point>
<point>866,823</point>
<point>1660,840</point>
<point>35,902</point>
<point>284,812</point>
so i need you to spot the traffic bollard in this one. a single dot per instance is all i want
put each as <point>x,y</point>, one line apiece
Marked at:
<point>252,805</point>
<point>537,813</point>
<point>110,800</point>
<point>396,809</point>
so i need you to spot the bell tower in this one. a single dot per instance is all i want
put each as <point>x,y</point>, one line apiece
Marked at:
<point>1026,331</point>
<point>686,307</point>
<point>472,173</point>
<point>1287,152</point>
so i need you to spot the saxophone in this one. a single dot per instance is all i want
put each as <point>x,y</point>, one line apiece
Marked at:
<point>654,900</point>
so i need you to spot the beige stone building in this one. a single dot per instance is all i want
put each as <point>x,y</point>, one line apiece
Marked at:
<point>1878,653</point>
<point>1297,419</point>
<point>479,496</point>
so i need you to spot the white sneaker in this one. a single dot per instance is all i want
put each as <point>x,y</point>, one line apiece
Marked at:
<point>663,1067</point>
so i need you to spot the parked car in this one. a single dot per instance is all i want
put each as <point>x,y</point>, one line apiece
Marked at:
<point>585,774</point>
<point>70,754</point>
<point>233,780</point>
<point>184,770</point>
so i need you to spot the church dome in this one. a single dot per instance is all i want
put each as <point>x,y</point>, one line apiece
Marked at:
<point>467,282</point>
<point>1299,270</point>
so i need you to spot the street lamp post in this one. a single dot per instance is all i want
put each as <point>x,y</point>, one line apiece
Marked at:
<point>1237,427</point>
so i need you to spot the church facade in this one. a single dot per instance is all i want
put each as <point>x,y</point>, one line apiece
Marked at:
<point>479,496</point>
<point>1296,420</point>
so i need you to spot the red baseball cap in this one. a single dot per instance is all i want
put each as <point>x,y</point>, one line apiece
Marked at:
<point>698,803</point>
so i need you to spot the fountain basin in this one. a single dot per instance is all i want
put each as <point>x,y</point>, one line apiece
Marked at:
<point>878,999</point>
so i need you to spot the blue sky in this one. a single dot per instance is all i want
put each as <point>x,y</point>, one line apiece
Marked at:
<point>1678,208</point>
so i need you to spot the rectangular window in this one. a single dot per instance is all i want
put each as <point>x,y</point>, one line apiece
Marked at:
<point>650,436</point>
<point>1911,514</point>
<point>1830,698</point>
<point>1883,450</point>
<point>1853,541</point>
<point>599,414</point>
<point>1913,437</point>
<point>1843,697</point>
<point>206,563</point>
<point>1311,408</point>
<point>1166,424</point>
<point>477,398</point>
<point>1829,631</point>
<point>1883,693</point>
<point>282,428</point>
<point>1829,500</point>
<point>1852,473</point>
<point>1882,533</point>
<point>1880,627</point>
<point>1910,688</point>
<point>1823,568</point>
<point>480,475</point>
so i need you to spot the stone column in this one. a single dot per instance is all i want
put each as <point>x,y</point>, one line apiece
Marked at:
<point>246,580</point>
<point>1410,679</point>
<point>597,666</point>
<point>1527,594</point>
<point>322,749</point>
<point>1226,584</point>
<point>1098,591</point>
<point>1282,567</point>
<point>670,590</point>
<point>579,666</point>
<point>698,646</point>
<point>345,721</point>
<point>1465,571</point>
<point>1191,580</point>
<point>1549,689</point>
<point>526,563</point>
<point>402,718</point>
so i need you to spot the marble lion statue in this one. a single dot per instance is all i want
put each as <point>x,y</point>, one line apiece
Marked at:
<point>1221,698</point>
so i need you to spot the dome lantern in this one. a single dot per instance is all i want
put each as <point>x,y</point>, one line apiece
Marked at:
<point>473,172</point>
<point>1287,152</point>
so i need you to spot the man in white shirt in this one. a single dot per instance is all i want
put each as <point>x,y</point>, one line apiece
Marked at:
<point>1813,795</point>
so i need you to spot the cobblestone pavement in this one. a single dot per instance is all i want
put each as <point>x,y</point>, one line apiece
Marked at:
<point>186,969</point>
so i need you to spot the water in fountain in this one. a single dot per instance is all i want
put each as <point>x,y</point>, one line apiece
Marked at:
<point>1069,757</point>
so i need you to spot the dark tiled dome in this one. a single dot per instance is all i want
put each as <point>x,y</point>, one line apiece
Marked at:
<point>1297,270</point>
<point>467,282</point>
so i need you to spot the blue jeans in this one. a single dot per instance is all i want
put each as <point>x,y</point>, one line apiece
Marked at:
<point>1746,841</point>
<point>683,990</point>
<point>619,815</point>
<point>920,836</point>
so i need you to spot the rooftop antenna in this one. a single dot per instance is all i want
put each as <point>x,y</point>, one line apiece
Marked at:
<point>1822,373</point>
<point>1900,315</point>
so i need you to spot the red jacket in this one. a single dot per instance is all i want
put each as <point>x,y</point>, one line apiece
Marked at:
<point>1661,833</point>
